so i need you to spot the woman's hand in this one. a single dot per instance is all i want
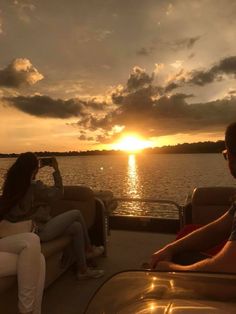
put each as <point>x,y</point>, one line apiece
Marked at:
<point>164,254</point>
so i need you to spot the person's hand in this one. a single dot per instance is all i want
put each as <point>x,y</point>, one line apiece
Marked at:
<point>54,163</point>
<point>164,254</point>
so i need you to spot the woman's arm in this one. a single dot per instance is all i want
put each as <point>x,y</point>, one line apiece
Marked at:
<point>44,193</point>
<point>199,240</point>
<point>224,261</point>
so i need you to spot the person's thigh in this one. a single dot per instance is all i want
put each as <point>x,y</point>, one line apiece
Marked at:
<point>17,242</point>
<point>58,225</point>
<point>8,264</point>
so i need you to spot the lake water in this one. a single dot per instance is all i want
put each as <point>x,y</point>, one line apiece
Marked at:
<point>144,176</point>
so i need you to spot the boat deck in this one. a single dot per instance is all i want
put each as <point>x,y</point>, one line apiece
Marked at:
<point>126,250</point>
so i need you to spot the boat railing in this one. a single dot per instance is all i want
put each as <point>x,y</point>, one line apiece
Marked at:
<point>179,207</point>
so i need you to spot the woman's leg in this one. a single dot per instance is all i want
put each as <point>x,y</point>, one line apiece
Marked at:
<point>8,264</point>
<point>70,223</point>
<point>67,223</point>
<point>27,251</point>
<point>40,286</point>
<point>76,231</point>
<point>58,224</point>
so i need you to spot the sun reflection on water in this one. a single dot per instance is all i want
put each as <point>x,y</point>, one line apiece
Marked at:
<point>133,182</point>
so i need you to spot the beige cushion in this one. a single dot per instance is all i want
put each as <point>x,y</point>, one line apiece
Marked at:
<point>77,197</point>
<point>209,203</point>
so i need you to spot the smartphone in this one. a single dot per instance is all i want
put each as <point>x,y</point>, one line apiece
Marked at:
<point>46,161</point>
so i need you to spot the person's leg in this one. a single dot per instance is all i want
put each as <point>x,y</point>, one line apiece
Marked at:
<point>58,224</point>
<point>76,231</point>
<point>80,218</point>
<point>26,248</point>
<point>40,286</point>
<point>8,264</point>
<point>83,272</point>
<point>68,223</point>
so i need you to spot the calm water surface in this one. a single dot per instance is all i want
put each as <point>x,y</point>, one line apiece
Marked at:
<point>144,176</point>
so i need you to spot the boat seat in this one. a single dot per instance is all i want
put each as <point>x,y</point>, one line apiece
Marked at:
<point>206,204</point>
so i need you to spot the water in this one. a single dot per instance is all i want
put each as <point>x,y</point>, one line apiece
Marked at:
<point>143,176</point>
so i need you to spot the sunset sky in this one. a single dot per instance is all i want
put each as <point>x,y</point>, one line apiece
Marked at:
<point>81,74</point>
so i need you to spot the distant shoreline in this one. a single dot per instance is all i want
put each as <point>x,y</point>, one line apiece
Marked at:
<point>186,148</point>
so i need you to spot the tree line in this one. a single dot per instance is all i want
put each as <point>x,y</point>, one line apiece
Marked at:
<point>186,148</point>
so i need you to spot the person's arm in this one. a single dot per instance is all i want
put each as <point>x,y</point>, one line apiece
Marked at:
<point>224,261</point>
<point>199,240</point>
<point>46,193</point>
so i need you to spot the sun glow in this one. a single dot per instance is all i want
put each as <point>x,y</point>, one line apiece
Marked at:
<point>132,143</point>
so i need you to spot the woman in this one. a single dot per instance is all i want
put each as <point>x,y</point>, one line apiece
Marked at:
<point>23,198</point>
<point>21,254</point>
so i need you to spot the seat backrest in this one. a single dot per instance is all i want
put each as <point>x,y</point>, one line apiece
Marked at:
<point>209,203</point>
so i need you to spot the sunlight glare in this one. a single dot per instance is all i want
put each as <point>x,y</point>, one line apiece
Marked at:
<point>132,143</point>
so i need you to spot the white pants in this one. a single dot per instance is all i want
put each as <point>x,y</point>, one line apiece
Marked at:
<point>21,254</point>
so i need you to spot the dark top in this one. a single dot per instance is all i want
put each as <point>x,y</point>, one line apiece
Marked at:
<point>35,204</point>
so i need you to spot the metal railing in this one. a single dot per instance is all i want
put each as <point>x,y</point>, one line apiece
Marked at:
<point>154,200</point>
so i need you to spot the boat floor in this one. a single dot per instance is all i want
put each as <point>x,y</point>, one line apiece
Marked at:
<point>126,250</point>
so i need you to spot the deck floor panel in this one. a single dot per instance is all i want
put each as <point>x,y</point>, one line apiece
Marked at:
<point>126,250</point>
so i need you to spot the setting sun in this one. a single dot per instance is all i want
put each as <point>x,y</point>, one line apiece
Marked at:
<point>132,143</point>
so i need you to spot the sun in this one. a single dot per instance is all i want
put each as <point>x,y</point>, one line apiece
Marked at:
<point>132,143</point>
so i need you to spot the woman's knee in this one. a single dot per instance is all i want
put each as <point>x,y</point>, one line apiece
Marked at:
<point>30,239</point>
<point>75,228</point>
<point>76,213</point>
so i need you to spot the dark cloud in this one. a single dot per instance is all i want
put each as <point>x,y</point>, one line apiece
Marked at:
<point>94,104</point>
<point>226,66</point>
<point>83,137</point>
<point>144,109</point>
<point>185,43</point>
<point>19,72</point>
<point>167,115</point>
<point>44,106</point>
<point>145,51</point>
<point>139,106</point>
<point>171,86</point>
<point>139,78</point>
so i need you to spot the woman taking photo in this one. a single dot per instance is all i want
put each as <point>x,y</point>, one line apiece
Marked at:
<point>24,198</point>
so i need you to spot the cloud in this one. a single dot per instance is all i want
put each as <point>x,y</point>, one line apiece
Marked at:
<point>139,78</point>
<point>145,51</point>
<point>45,106</point>
<point>24,9</point>
<point>138,106</point>
<point>184,43</point>
<point>143,108</point>
<point>19,72</point>
<point>226,66</point>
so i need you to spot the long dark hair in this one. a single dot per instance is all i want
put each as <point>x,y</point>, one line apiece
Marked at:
<point>17,181</point>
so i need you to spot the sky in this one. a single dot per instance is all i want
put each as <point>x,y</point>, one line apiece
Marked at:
<point>81,74</point>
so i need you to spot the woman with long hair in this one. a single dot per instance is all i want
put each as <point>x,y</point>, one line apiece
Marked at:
<point>24,198</point>
<point>20,255</point>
